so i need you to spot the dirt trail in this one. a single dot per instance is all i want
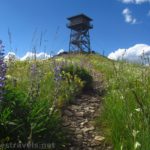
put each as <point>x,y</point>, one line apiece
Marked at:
<point>78,119</point>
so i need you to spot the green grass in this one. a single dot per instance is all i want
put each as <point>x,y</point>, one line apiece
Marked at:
<point>31,108</point>
<point>126,109</point>
<point>125,117</point>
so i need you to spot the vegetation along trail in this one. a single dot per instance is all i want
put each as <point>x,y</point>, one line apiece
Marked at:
<point>76,102</point>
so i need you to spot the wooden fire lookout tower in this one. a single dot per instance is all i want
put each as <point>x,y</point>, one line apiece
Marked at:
<point>79,36</point>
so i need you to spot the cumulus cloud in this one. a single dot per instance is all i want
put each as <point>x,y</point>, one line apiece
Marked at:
<point>31,56</point>
<point>11,56</point>
<point>134,1</point>
<point>139,53</point>
<point>27,56</point>
<point>128,16</point>
<point>127,1</point>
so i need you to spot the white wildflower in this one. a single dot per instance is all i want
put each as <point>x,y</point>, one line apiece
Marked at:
<point>138,109</point>
<point>51,109</point>
<point>8,76</point>
<point>137,145</point>
<point>134,133</point>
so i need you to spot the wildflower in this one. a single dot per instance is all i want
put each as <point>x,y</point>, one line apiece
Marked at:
<point>134,133</point>
<point>35,83</point>
<point>33,69</point>
<point>138,109</point>
<point>137,145</point>
<point>8,76</point>
<point>2,71</point>
<point>57,73</point>
<point>51,110</point>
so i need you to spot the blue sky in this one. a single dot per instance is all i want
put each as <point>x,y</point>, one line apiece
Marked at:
<point>116,24</point>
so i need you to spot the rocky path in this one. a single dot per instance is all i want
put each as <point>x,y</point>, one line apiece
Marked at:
<point>78,119</point>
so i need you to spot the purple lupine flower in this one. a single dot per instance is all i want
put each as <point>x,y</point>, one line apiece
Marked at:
<point>33,69</point>
<point>2,71</point>
<point>57,73</point>
<point>57,77</point>
<point>34,82</point>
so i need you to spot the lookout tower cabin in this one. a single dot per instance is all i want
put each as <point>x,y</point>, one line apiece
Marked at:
<point>79,36</point>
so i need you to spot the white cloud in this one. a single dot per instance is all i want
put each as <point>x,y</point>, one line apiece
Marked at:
<point>11,56</point>
<point>128,16</point>
<point>117,55</point>
<point>27,56</point>
<point>127,1</point>
<point>137,53</point>
<point>134,1</point>
<point>31,56</point>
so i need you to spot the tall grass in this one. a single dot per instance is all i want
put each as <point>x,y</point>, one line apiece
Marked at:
<point>32,107</point>
<point>125,117</point>
<point>34,96</point>
<point>126,110</point>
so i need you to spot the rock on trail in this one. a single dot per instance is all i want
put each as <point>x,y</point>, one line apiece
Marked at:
<point>78,119</point>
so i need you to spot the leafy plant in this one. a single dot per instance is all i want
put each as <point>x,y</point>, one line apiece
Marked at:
<point>82,73</point>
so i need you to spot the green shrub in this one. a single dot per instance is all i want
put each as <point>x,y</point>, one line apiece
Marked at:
<point>13,118</point>
<point>26,122</point>
<point>81,73</point>
<point>70,87</point>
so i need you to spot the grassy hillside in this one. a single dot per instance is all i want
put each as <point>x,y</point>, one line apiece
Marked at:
<point>35,93</point>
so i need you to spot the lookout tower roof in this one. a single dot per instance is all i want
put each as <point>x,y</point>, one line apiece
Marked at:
<point>80,16</point>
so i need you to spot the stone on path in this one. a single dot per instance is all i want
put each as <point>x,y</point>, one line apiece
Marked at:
<point>68,113</point>
<point>78,119</point>
<point>99,138</point>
